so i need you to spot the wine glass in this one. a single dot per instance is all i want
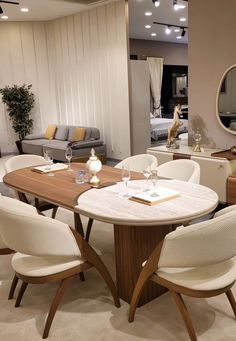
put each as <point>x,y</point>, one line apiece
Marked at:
<point>49,158</point>
<point>68,156</point>
<point>154,178</point>
<point>147,174</point>
<point>126,178</point>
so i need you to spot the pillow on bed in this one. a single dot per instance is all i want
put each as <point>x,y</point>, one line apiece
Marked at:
<point>151,115</point>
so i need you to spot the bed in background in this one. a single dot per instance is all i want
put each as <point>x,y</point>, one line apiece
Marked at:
<point>159,127</point>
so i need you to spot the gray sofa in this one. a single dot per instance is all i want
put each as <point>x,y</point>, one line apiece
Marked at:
<point>37,144</point>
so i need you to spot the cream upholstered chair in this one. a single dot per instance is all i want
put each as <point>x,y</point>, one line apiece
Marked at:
<point>184,170</point>
<point>138,163</point>
<point>4,250</point>
<point>18,206</point>
<point>27,160</point>
<point>47,250</point>
<point>197,260</point>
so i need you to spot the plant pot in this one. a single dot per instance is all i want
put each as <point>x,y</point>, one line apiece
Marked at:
<point>19,146</point>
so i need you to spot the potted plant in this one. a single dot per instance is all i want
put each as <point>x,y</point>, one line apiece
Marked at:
<point>19,101</point>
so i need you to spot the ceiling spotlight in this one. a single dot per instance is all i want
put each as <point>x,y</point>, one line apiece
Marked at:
<point>177,30</point>
<point>4,17</point>
<point>148,26</point>
<point>183,32</point>
<point>24,9</point>
<point>178,37</point>
<point>168,30</point>
<point>1,11</point>
<point>156,3</point>
<point>148,13</point>
<point>153,34</point>
<point>182,19</point>
<point>177,6</point>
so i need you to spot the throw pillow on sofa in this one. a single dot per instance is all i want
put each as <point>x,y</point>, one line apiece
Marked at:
<point>50,132</point>
<point>78,134</point>
<point>62,133</point>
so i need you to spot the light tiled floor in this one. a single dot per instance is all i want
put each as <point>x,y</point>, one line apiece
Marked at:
<point>88,314</point>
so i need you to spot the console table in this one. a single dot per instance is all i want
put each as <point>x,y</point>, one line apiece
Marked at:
<point>214,164</point>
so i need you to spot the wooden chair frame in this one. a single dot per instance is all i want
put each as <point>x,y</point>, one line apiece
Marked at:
<point>149,273</point>
<point>65,277</point>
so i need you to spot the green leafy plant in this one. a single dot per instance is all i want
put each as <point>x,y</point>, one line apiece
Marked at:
<point>19,101</point>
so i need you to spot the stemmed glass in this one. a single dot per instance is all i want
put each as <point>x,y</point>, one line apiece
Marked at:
<point>49,159</point>
<point>68,156</point>
<point>126,178</point>
<point>154,178</point>
<point>147,174</point>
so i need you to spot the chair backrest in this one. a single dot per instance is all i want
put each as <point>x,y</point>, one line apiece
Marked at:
<point>22,161</point>
<point>25,231</point>
<point>206,243</point>
<point>184,170</point>
<point>138,163</point>
<point>2,244</point>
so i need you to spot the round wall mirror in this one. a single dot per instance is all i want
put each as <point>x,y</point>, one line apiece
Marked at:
<point>226,100</point>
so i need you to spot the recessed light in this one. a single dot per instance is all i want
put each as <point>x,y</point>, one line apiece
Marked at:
<point>177,30</point>
<point>168,30</point>
<point>4,17</point>
<point>148,26</point>
<point>178,6</point>
<point>148,13</point>
<point>24,9</point>
<point>182,19</point>
<point>178,37</point>
<point>153,34</point>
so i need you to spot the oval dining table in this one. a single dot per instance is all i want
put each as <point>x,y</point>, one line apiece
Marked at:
<point>139,227</point>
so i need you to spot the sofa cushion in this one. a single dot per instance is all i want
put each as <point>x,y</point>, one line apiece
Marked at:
<point>61,133</point>
<point>94,134</point>
<point>50,131</point>
<point>78,134</point>
<point>86,144</point>
<point>34,136</point>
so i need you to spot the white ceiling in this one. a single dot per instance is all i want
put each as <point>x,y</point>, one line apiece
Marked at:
<point>43,9</point>
<point>164,13</point>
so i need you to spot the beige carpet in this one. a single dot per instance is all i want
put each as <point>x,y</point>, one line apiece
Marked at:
<point>88,314</point>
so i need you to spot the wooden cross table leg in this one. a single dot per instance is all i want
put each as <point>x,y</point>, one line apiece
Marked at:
<point>133,245</point>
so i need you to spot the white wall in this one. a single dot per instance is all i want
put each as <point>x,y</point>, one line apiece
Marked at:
<point>78,67</point>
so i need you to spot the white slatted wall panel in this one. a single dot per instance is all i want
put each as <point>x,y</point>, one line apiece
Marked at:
<point>78,68</point>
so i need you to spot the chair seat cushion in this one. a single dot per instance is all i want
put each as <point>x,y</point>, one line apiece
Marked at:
<point>43,266</point>
<point>211,277</point>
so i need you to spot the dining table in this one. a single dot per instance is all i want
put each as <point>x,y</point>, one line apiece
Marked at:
<point>138,227</point>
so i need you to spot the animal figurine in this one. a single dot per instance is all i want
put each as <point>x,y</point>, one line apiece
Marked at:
<point>172,131</point>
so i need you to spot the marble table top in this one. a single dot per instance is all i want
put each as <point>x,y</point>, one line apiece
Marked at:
<point>109,205</point>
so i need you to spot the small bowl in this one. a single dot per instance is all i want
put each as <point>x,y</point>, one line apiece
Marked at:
<point>233,149</point>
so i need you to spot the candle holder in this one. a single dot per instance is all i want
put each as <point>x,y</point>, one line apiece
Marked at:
<point>197,138</point>
<point>94,166</point>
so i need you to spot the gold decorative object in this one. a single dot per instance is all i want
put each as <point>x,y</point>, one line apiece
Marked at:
<point>172,131</point>
<point>94,166</point>
<point>197,138</point>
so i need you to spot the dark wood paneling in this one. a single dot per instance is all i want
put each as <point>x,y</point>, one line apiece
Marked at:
<point>231,190</point>
<point>133,245</point>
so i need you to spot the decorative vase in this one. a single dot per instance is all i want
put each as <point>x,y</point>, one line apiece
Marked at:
<point>197,138</point>
<point>94,166</point>
<point>19,146</point>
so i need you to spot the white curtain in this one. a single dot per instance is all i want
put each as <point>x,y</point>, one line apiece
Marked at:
<point>156,71</point>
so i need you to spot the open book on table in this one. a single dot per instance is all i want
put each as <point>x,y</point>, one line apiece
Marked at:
<point>158,196</point>
<point>50,168</point>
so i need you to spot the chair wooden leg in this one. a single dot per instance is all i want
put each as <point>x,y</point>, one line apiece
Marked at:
<point>81,275</point>
<point>89,227</point>
<point>231,299</point>
<point>13,287</point>
<point>21,294</point>
<point>142,280</point>
<point>55,303</point>
<point>54,212</point>
<point>185,315</point>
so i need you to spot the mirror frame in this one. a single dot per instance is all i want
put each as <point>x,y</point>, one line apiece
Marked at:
<point>217,100</point>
